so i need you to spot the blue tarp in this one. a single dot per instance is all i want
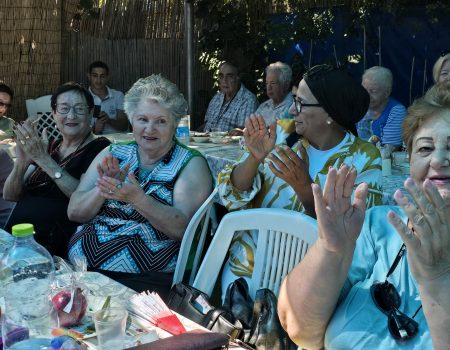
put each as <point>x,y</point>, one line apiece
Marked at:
<point>413,35</point>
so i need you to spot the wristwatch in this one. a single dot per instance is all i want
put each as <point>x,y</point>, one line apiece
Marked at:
<point>57,175</point>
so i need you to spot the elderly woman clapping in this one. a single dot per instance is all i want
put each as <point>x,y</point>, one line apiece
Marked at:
<point>45,174</point>
<point>326,107</point>
<point>137,199</point>
<point>385,286</point>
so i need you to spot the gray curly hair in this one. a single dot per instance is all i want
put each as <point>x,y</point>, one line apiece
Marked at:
<point>155,87</point>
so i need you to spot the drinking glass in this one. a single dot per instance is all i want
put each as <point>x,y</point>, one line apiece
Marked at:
<point>110,327</point>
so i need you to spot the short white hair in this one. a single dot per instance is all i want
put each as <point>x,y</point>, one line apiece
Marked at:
<point>284,72</point>
<point>156,87</point>
<point>381,75</point>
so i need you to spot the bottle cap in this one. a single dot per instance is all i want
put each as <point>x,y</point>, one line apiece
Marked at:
<point>23,230</point>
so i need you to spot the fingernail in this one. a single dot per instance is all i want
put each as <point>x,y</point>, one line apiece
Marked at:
<point>409,182</point>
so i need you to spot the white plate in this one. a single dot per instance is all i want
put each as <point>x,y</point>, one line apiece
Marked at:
<point>200,139</point>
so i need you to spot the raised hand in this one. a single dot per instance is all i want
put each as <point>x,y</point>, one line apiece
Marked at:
<point>339,221</point>
<point>289,167</point>
<point>32,147</point>
<point>258,139</point>
<point>111,188</point>
<point>427,235</point>
<point>109,167</point>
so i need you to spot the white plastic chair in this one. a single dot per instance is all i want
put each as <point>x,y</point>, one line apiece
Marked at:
<point>38,105</point>
<point>284,237</point>
<point>40,109</point>
<point>201,216</point>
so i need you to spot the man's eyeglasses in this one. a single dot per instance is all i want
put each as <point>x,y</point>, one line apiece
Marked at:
<point>387,299</point>
<point>78,109</point>
<point>4,105</point>
<point>299,104</point>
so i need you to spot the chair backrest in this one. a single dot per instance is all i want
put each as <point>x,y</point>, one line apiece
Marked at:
<point>38,105</point>
<point>201,217</point>
<point>284,237</point>
<point>40,110</point>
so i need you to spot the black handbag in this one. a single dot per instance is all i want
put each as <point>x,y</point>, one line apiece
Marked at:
<point>195,305</point>
<point>265,331</point>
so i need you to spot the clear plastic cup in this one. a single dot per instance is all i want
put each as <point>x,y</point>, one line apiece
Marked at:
<point>110,327</point>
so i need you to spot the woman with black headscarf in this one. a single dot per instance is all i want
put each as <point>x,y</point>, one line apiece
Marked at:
<point>326,107</point>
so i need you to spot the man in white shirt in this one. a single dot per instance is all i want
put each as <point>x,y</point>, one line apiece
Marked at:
<point>278,88</point>
<point>109,116</point>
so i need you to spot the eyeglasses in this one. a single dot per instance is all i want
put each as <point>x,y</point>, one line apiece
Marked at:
<point>387,299</point>
<point>78,109</point>
<point>299,105</point>
<point>4,105</point>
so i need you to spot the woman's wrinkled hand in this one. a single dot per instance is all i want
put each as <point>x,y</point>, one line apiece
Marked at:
<point>427,237</point>
<point>289,167</point>
<point>258,139</point>
<point>30,146</point>
<point>109,167</point>
<point>112,188</point>
<point>339,221</point>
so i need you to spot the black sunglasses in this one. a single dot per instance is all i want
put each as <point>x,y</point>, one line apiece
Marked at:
<point>387,299</point>
<point>299,104</point>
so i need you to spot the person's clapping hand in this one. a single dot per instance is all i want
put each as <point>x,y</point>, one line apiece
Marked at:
<point>29,145</point>
<point>427,236</point>
<point>112,188</point>
<point>259,139</point>
<point>109,167</point>
<point>339,220</point>
<point>288,166</point>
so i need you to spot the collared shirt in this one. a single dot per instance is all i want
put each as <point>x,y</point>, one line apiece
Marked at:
<point>232,114</point>
<point>110,104</point>
<point>387,127</point>
<point>271,112</point>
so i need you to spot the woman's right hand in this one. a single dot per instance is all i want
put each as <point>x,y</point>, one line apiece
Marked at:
<point>258,139</point>
<point>109,167</point>
<point>339,221</point>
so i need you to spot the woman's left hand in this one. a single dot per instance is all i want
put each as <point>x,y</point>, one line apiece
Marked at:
<point>289,167</point>
<point>111,188</point>
<point>427,239</point>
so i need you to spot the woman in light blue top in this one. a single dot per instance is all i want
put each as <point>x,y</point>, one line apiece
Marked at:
<point>385,286</point>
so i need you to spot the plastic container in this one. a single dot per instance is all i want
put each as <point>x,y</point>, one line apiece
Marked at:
<point>26,276</point>
<point>183,130</point>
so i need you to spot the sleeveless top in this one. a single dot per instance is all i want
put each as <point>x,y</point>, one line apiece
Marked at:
<point>119,238</point>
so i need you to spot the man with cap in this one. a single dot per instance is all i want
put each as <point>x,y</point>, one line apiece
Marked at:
<point>326,107</point>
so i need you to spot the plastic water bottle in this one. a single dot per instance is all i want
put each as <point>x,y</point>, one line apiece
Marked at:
<point>26,276</point>
<point>183,130</point>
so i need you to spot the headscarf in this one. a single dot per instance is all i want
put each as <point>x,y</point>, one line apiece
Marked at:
<point>344,99</point>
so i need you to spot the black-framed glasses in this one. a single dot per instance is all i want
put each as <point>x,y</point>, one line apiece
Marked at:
<point>387,299</point>
<point>299,104</point>
<point>78,109</point>
<point>4,105</point>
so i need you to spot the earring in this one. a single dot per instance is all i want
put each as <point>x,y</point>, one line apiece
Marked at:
<point>329,122</point>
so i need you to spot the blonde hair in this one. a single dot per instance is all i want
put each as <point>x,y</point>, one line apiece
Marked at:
<point>156,87</point>
<point>438,66</point>
<point>435,102</point>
